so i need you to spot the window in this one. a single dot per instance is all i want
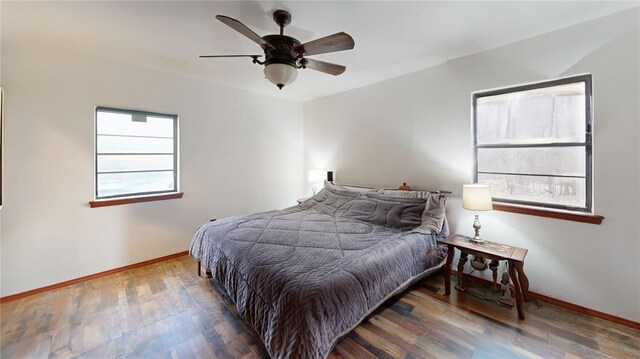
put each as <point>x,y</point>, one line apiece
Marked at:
<point>533,143</point>
<point>136,153</point>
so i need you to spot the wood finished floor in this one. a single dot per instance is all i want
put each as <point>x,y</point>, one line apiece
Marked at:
<point>165,311</point>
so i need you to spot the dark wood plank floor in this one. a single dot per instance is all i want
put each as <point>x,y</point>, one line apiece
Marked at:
<point>165,310</point>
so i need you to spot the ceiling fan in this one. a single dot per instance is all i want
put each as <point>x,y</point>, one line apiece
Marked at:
<point>284,55</point>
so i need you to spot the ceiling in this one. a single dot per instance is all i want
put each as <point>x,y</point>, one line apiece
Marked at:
<point>392,37</point>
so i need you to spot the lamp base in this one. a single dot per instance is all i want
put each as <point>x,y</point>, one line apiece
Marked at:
<point>476,226</point>
<point>477,240</point>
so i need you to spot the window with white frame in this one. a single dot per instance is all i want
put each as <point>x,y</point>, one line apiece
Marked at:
<point>136,153</point>
<point>533,143</point>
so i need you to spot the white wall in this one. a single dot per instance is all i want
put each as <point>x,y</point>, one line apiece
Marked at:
<point>416,128</point>
<point>239,153</point>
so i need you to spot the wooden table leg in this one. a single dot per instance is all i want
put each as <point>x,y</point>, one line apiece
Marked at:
<point>516,286</point>
<point>494,268</point>
<point>463,259</point>
<point>447,270</point>
<point>524,281</point>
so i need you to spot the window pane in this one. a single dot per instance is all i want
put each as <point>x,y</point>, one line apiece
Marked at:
<point>116,144</point>
<point>110,123</point>
<point>544,115</point>
<point>565,161</point>
<point>134,162</point>
<point>551,190</point>
<point>128,183</point>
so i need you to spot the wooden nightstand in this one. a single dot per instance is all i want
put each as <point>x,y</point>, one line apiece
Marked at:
<point>490,250</point>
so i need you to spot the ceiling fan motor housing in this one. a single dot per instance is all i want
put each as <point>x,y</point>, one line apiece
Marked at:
<point>283,51</point>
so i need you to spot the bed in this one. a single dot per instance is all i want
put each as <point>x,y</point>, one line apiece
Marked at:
<point>304,276</point>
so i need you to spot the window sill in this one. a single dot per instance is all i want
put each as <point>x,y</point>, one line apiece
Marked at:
<point>128,200</point>
<point>549,213</point>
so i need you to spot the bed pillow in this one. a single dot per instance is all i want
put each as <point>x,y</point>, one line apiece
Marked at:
<point>433,215</point>
<point>393,212</point>
<point>402,194</point>
<point>434,207</point>
<point>358,189</point>
<point>342,190</point>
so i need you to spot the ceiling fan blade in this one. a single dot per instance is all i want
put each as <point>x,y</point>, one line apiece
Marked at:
<point>253,56</point>
<point>326,67</point>
<point>244,30</point>
<point>332,43</point>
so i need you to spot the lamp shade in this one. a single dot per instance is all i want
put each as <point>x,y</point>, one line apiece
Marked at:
<point>316,176</point>
<point>476,197</point>
<point>280,74</point>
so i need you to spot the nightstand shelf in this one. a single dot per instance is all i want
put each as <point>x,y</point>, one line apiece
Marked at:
<point>495,252</point>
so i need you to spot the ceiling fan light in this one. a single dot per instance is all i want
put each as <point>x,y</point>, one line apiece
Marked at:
<point>280,74</point>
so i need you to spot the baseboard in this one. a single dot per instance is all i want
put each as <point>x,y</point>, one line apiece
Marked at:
<point>90,276</point>
<point>567,305</point>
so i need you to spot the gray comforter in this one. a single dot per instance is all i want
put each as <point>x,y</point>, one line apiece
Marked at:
<point>306,275</point>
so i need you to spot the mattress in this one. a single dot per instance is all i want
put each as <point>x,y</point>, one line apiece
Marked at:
<point>304,276</point>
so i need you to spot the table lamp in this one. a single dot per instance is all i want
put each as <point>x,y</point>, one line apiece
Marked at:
<point>316,176</point>
<point>476,197</point>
